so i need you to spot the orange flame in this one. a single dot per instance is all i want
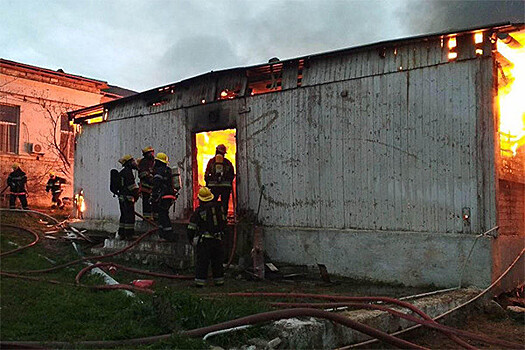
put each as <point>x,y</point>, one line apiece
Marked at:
<point>206,143</point>
<point>511,89</point>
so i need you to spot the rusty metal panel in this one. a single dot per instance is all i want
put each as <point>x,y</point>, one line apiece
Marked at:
<point>101,145</point>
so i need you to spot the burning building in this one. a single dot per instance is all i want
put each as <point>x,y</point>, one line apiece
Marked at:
<point>384,162</point>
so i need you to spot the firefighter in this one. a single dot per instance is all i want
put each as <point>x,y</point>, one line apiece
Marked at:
<point>17,181</point>
<point>205,233</point>
<point>219,176</point>
<point>145,165</point>
<point>127,196</point>
<point>54,184</point>
<point>164,195</point>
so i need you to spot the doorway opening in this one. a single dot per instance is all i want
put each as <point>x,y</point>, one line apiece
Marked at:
<point>204,151</point>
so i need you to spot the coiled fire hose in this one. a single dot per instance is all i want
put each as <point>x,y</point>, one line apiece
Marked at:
<point>269,316</point>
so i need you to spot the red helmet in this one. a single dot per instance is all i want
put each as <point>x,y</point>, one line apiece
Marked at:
<point>221,149</point>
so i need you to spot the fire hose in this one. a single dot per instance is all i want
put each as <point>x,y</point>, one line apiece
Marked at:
<point>355,299</point>
<point>263,317</point>
<point>426,323</point>
<point>248,320</point>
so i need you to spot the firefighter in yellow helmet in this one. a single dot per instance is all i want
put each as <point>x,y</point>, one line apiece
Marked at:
<point>16,181</point>
<point>219,176</point>
<point>205,232</point>
<point>163,195</point>
<point>54,184</point>
<point>145,165</point>
<point>127,196</point>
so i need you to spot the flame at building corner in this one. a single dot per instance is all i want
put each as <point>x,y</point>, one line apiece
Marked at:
<point>511,93</point>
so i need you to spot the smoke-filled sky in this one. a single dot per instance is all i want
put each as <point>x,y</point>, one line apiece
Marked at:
<point>144,44</point>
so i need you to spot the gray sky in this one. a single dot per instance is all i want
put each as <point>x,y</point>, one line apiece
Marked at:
<point>144,44</point>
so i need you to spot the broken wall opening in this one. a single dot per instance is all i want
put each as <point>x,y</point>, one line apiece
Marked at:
<point>510,62</point>
<point>204,150</point>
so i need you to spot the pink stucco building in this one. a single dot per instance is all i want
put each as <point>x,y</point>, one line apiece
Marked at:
<point>34,130</point>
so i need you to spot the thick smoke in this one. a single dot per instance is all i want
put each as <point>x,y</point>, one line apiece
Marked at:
<point>424,17</point>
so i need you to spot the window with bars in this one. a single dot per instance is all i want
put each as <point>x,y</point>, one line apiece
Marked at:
<point>9,121</point>
<point>67,137</point>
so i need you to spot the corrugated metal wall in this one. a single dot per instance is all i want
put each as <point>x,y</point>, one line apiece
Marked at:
<point>402,142</point>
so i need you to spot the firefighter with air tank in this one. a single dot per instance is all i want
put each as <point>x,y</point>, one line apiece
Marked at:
<point>166,185</point>
<point>145,165</point>
<point>205,233</point>
<point>16,181</point>
<point>128,194</point>
<point>219,176</point>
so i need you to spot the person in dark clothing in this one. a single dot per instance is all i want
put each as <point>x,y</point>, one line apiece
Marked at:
<point>219,176</point>
<point>54,184</point>
<point>205,232</point>
<point>128,195</point>
<point>164,194</point>
<point>145,165</point>
<point>17,181</point>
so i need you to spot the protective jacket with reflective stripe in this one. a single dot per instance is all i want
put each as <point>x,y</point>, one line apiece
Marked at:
<point>219,173</point>
<point>17,181</point>
<point>128,189</point>
<point>208,220</point>
<point>145,166</point>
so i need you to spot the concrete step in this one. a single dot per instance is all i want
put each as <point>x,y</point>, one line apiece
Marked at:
<point>322,334</point>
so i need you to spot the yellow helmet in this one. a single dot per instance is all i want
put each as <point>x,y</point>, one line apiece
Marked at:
<point>51,173</point>
<point>15,166</point>
<point>205,194</point>
<point>147,149</point>
<point>125,158</point>
<point>162,157</point>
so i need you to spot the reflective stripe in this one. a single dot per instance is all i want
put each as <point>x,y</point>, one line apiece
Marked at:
<point>199,282</point>
<point>132,186</point>
<point>219,280</point>
<point>192,226</point>
<point>169,196</point>
<point>126,198</point>
<point>216,184</point>
<point>166,229</point>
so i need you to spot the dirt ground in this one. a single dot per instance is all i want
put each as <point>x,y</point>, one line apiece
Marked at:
<point>481,323</point>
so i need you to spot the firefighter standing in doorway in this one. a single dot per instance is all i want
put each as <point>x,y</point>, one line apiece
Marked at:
<point>205,233</point>
<point>127,196</point>
<point>219,176</point>
<point>165,188</point>
<point>54,184</point>
<point>145,165</point>
<point>17,181</point>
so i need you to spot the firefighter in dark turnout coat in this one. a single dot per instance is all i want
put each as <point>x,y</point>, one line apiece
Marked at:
<point>16,181</point>
<point>163,195</point>
<point>127,196</point>
<point>145,165</point>
<point>219,176</point>
<point>205,233</point>
<point>54,184</point>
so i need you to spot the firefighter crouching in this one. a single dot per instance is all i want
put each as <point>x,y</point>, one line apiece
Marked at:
<point>145,166</point>
<point>165,188</point>
<point>219,176</point>
<point>205,233</point>
<point>127,196</point>
<point>17,181</point>
<point>54,184</point>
